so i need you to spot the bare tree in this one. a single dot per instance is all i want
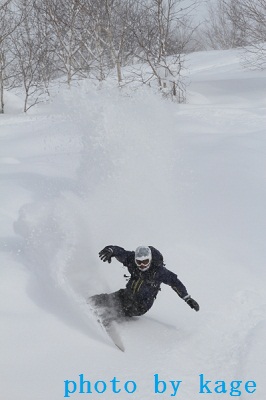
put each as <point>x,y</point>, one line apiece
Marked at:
<point>64,17</point>
<point>91,53</point>
<point>161,45</point>
<point>27,48</point>
<point>222,30</point>
<point>44,35</point>
<point>94,46</point>
<point>253,18</point>
<point>2,79</point>
<point>111,35</point>
<point>9,21</point>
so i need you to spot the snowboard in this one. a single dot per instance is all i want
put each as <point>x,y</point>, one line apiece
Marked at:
<point>108,325</point>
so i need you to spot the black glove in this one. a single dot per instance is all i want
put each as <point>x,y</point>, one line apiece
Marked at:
<point>192,303</point>
<point>106,254</point>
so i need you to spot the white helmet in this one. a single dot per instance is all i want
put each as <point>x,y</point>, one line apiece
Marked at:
<point>143,257</point>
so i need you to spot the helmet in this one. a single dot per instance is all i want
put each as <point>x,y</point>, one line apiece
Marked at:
<point>143,257</point>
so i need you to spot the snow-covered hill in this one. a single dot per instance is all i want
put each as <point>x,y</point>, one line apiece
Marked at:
<point>98,167</point>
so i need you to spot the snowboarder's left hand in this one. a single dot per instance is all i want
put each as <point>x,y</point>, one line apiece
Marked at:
<point>106,254</point>
<point>192,303</point>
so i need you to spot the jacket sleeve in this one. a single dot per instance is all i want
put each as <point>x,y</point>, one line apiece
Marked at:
<point>171,279</point>
<point>122,255</point>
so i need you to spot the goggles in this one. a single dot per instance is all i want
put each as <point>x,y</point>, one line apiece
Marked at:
<point>143,262</point>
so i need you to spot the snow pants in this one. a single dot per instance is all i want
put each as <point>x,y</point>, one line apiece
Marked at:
<point>119,304</point>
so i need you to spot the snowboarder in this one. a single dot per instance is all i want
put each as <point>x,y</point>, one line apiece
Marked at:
<point>147,272</point>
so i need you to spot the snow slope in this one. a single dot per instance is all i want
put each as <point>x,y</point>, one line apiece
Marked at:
<point>98,167</point>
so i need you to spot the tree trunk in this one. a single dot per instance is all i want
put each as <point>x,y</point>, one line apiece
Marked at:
<point>26,101</point>
<point>119,71</point>
<point>2,104</point>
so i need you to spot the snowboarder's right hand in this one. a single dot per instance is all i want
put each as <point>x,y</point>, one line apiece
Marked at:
<point>106,254</point>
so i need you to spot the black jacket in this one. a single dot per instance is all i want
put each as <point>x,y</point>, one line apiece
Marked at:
<point>143,286</point>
